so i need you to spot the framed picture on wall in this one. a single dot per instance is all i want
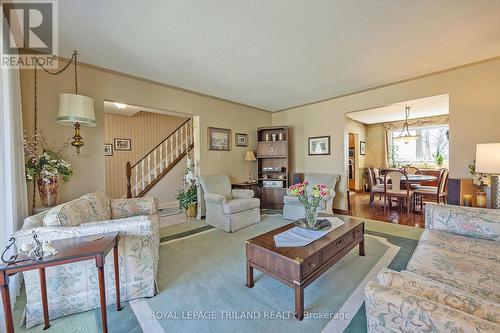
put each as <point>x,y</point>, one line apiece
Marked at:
<point>108,149</point>
<point>362,147</point>
<point>241,140</point>
<point>319,145</point>
<point>122,144</point>
<point>219,139</point>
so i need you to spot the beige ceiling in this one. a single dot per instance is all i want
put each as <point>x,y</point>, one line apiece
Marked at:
<point>281,53</point>
<point>420,108</point>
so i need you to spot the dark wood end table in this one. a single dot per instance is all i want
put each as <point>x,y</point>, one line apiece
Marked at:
<point>68,251</point>
<point>298,267</point>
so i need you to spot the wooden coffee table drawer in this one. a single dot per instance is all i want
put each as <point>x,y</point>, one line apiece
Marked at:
<point>359,231</point>
<point>332,249</point>
<point>310,264</point>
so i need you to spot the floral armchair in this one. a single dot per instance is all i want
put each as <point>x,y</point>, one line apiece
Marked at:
<point>73,288</point>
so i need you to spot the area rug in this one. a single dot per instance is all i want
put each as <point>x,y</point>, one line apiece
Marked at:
<point>202,286</point>
<point>202,275</point>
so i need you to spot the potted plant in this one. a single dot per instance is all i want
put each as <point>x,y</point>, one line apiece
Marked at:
<point>311,197</point>
<point>438,158</point>
<point>188,194</point>
<point>45,167</point>
<point>188,198</point>
<point>483,181</point>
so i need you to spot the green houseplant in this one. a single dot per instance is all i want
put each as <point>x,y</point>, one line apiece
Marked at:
<point>438,158</point>
<point>187,195</point>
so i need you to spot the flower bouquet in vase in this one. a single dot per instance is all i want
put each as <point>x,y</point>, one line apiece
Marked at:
<point>312,197</point>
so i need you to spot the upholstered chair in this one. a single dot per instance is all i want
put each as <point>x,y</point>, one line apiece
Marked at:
<point>228,209</point>
<point>294,210</point>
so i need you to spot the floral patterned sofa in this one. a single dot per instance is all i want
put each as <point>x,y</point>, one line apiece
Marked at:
<point>451,283</point>
<point>73,287</point>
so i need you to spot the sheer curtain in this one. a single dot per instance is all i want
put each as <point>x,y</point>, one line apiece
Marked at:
<point>13,194</point>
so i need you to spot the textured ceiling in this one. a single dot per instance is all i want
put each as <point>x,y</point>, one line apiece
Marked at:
<point>282,53</point>
<point>420,108</point>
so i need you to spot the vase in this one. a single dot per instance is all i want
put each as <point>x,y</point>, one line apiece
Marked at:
<point>47,189</point>
<point>311,216</point>
<point>481,199</point>
<point>191,211</point>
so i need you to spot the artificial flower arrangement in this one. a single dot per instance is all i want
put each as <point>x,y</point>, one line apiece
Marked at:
<point>44,164</point>
<point>311,196</point>
<point>478,178</point>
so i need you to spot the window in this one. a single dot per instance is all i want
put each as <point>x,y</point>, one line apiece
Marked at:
<point>432,139</point>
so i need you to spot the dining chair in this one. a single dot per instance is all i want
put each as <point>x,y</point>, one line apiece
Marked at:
<point>439,193</point>
<point>376,188</point>
<point>411,170</point>
<point>403,196</point>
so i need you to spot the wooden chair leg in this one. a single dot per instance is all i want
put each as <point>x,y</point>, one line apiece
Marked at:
<point>372,199</point>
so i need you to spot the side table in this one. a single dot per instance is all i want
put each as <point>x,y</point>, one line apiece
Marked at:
<point>248,186</point>
<point>68,251</point>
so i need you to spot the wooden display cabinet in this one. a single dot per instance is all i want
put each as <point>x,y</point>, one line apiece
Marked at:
<point>273,165</point>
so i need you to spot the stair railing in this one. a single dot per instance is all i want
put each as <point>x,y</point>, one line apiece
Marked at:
<point>153,165</point>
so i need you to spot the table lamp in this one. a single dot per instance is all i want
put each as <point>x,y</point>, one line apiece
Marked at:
<point>249,157</point>
<point>488,161</point>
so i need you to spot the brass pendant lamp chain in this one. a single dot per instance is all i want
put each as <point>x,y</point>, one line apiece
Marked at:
<point>35,103</point>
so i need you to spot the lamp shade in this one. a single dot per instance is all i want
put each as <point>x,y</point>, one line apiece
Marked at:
<point>76,109</point>
<point>488,158</point>
<point>249,156</point>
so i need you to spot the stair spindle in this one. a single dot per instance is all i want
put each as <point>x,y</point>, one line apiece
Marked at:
<point>142,175</point>
<point>136,180</point>
<point>154,164</point>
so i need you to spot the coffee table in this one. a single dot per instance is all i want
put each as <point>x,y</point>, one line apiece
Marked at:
<point>298,267</point>
<point>69,251</point>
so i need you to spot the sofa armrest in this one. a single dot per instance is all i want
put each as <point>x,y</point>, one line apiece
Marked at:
<point>393,310</point>
<point>214,198</point>
<point>121,208</point>
<point>242,194</point>
<point>473,222</point>
<point>133,226</point>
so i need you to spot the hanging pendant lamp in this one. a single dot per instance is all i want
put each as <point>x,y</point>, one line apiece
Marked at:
<point>405,136</point>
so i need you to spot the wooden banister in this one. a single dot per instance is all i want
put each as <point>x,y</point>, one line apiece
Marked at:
<point>158,145</point>
<point>129,175</point>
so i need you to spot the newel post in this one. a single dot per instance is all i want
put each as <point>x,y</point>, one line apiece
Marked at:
<point>129,175</point>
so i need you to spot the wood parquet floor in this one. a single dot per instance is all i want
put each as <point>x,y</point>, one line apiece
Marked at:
<point>360,208</point>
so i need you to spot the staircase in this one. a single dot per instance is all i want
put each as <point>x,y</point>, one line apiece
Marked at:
<point>150,169</point>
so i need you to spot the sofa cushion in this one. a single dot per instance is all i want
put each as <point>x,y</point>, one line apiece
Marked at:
<point>70,214</point>
<point>477,247</point>
<point>240,205</point>
<point>121,208</point>
<point>440,293</point>
<point>479,276</point>
<point>101,205</point>
<point>466,221</point>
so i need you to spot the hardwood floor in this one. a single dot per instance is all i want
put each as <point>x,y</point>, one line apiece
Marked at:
<point>360,208</point>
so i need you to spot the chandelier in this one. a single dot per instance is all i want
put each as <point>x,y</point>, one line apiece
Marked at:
<point>405,136</point>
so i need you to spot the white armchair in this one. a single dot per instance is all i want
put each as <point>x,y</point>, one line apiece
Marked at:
<point>72,288</point>
<point>228,209</point>
<point>293,208</point>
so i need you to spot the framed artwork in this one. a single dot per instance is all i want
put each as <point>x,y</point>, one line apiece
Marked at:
<point>219,139</point>
<point>362,147</point>
<point>319,145</point>
<point>123,144</point>
<point>108,149</point>
<point>241,140</point>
